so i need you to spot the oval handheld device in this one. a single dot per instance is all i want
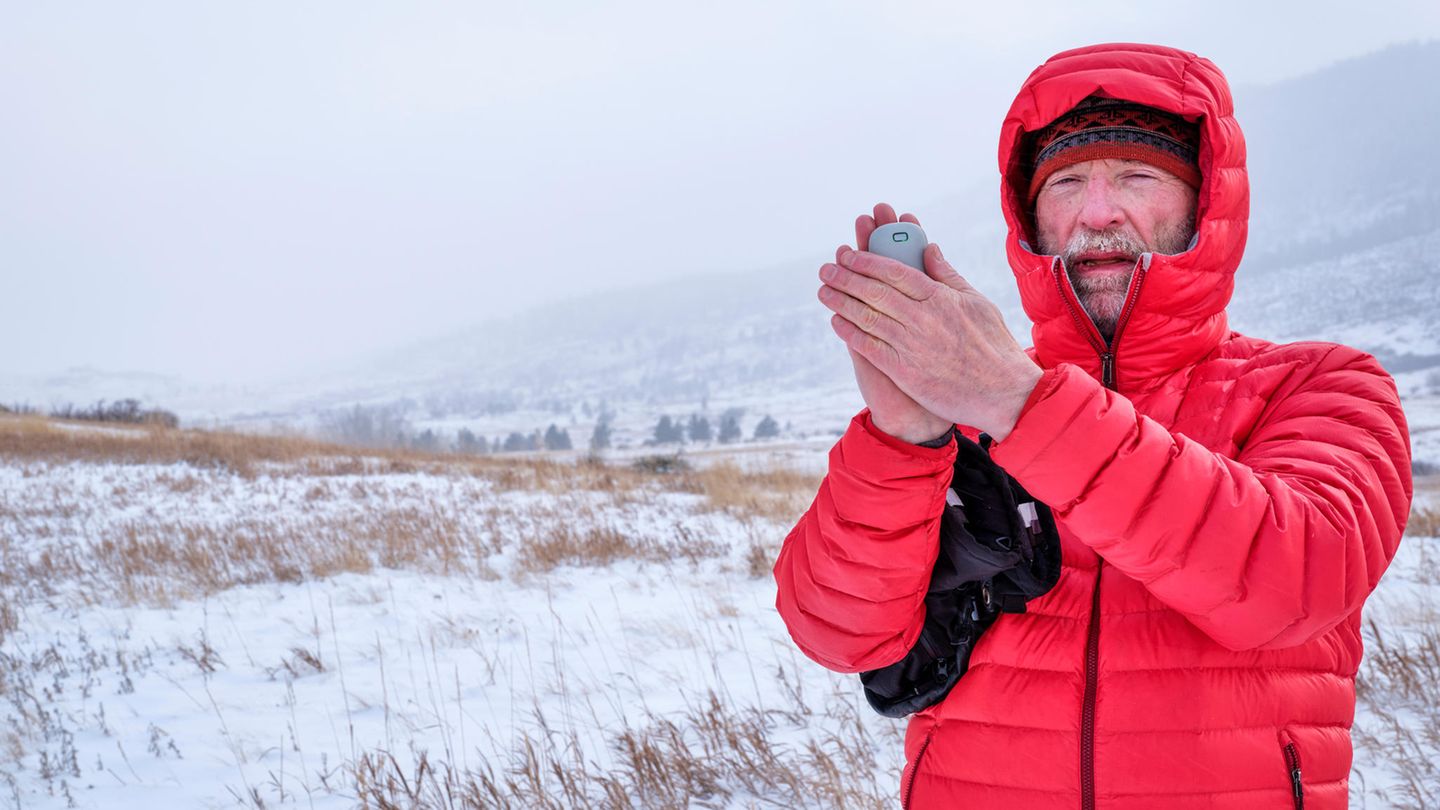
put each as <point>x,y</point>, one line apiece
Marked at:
<point>901,241</point>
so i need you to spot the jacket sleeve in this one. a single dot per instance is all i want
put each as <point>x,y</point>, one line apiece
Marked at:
<point>852,574</point>
<point>1269,549</point>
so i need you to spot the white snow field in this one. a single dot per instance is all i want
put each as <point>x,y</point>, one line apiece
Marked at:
<point>200,621</point>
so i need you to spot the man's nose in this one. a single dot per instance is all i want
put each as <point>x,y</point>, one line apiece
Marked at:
<point>1100,209</point>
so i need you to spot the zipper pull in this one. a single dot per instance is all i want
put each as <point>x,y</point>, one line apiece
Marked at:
<point>1292,755</point>
<point>1107,370</point>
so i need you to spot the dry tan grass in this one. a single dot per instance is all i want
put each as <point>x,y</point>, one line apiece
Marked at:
<point>33,438</point>
<point>1400,685</point>
<point>1399,681</point>
<point>9,618</point>
<point>156,561</point>
<point>350,517</point>
<point>777,494</point>
<point>1424,522</point>
<point>771,493</point>
<point>578,542</point>
<point>711,756</point>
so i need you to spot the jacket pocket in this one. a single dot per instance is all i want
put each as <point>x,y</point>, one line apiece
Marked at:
<point>907,794</point>
<point>1291,752</point>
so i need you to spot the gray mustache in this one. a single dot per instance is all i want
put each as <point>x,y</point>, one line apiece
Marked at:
<point>1101,241</point>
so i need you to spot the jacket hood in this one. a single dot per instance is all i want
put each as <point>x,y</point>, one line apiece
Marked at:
<point>1177,302</point>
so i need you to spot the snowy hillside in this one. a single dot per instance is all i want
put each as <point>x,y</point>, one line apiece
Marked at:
<point>281,624</point>
<point>1355,299</point>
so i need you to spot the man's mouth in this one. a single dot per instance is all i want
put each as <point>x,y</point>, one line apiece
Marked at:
<point>1088,261</point>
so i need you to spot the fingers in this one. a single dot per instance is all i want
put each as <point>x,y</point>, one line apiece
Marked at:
<point>879,353</point>
<point>909,218</point>
<point>902,277</point>
<point>872,293</point>
<point>870,319</point>
<point>864,226</point>
<point>938,268</point>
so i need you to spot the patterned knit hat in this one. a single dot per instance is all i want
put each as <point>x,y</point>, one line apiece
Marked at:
<point>1114,128</point>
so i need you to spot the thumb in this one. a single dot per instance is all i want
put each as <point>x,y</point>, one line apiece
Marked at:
<point>938,268</point>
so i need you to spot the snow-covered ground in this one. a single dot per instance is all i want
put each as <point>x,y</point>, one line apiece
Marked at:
<point>207,682</point>
<point>177,635</point>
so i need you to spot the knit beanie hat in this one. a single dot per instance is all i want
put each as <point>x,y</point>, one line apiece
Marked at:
<point>1099,128</point>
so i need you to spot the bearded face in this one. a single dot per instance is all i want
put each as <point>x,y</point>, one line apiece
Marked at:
<point>1100,265</point>
<point>1099,216</point>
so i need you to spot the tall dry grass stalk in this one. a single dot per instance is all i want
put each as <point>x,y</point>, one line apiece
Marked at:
<point>1400,686</point>
<point>1424,522</point>
<point>773,493</point>
<point>712,755</point>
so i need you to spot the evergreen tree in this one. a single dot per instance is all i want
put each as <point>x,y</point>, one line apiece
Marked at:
<point>668,431</point>
<point>426,441</point>
<point>767,428</point>
<point>516,442</point>
<point>600,437</point>
<point>468,443</point>
<point>730,426</point>
<point>699,429</point>
<point>557,439</point>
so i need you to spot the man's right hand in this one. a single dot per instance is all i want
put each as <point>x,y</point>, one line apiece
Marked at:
<point>891,409</point>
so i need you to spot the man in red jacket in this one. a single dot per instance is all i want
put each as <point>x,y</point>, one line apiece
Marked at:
<point>1225,504</point>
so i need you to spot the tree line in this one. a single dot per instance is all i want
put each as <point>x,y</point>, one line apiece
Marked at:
<point>120,411</point>
<point>383,426</point>
<point>698,429</point>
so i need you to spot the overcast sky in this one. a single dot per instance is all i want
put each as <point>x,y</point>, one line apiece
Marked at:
<point>248,191</point>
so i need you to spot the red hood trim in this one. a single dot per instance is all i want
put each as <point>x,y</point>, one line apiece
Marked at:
<point>1180,316</point>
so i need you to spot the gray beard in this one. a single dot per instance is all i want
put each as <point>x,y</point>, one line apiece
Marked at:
<point>1103,297</point>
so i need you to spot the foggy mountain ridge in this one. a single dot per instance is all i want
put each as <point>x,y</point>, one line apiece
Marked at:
<point>1337,159</point>
<point>1342,247</point>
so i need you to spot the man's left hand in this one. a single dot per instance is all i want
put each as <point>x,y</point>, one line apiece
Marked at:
<point>939,339</point>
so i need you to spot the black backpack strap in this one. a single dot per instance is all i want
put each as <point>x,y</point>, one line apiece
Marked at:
<point>999,548</point>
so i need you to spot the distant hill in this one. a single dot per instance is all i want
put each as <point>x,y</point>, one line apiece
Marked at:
<point>1345,234</point>
<point>1342,246</point>
<point>1345,208</point>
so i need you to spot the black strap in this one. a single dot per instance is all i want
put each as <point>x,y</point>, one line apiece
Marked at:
<point>994,556</point>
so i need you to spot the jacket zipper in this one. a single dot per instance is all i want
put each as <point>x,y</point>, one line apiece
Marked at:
<point>1292,761</point>
<point>1131,299</point>
<point>1092,637</point>
<point>1087,326</point>
<point>909,794</point>
<point>1087,712</point>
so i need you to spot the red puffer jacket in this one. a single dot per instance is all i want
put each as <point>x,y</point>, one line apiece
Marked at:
<point>1224,509</point>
